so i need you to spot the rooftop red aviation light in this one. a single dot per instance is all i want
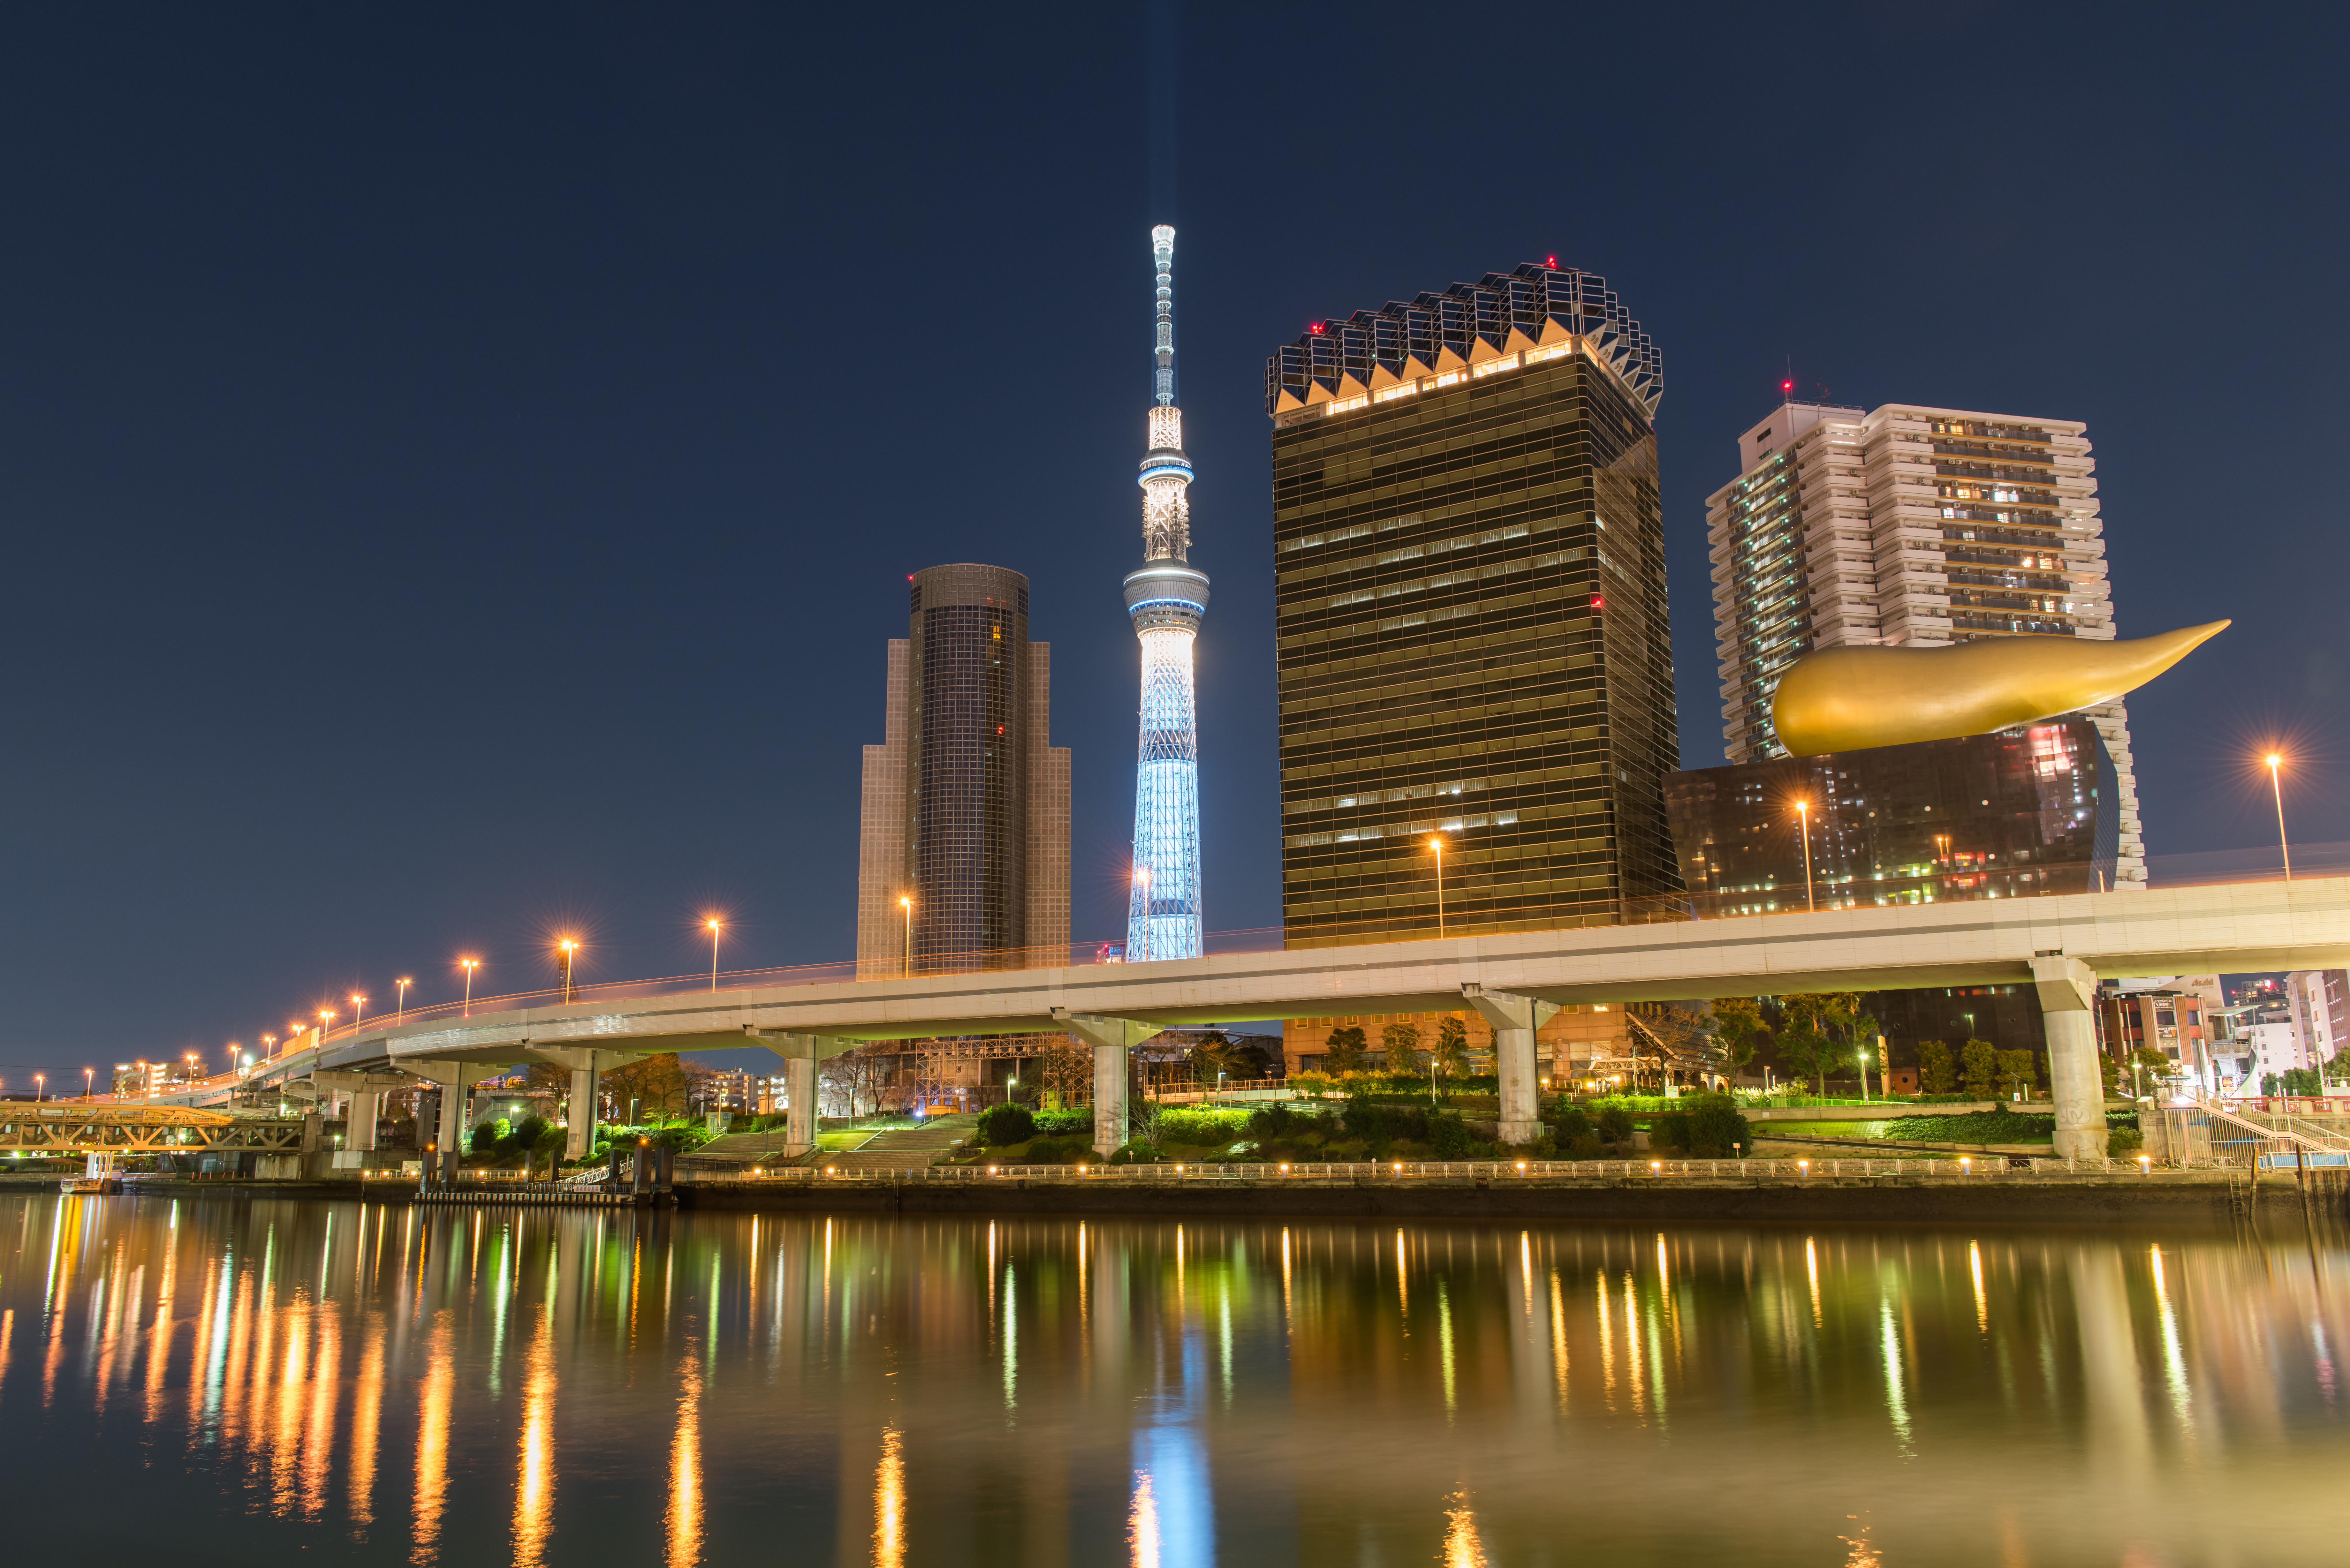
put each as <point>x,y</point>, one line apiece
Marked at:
<point>1316,327</point>
<point>1599,601</point>
<point>1786,386</point>
<point>1550,261</point>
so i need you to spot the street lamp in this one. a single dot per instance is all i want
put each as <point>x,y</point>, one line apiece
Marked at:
<point>1804,815</point>
<point>906,964</point>
<point>400,1009</point>
<point>359,1008</point>
<point>146,1083</point>
<point>569,948</point>
<point>1864,1075</point>
<point>2277,790</point>
<point>469,966</point>
<point>325,1021</point>
<point>714,925</point>
<point>1436,843</point>
<point>87,1076</point>
<point>37,1081</point>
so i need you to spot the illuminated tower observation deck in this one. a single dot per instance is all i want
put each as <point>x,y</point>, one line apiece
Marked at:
<point>1166,598</point>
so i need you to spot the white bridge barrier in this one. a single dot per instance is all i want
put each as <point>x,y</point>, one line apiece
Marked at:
<point>1982,1167</point>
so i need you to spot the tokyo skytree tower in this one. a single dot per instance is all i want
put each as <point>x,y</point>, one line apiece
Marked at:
<point>1165,599</point>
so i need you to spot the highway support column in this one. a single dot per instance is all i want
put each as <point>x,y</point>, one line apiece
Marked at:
<point>801,1055</point>
<point>367,1091</point>
<point>2068,995</point>
<point>454,1079</point>
<point>587,1065</point>
<point>1113,1040</point>
<point>1515,1020</point>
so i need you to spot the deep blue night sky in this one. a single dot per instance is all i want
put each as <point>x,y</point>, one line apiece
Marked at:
<point>459,465</point>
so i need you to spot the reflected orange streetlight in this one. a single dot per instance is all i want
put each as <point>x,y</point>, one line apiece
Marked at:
<point>469,966</point>
<point>1804,815</point>
<point>714,926</point>
<point>2277,790</point>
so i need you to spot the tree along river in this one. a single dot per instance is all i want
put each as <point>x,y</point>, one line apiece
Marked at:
<point>214,1380</point>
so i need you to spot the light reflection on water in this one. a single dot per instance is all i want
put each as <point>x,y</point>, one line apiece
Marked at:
<point>546,1386</point>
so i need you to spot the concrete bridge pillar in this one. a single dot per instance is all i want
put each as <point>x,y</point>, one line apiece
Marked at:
<point>2068,992</point>
<point>1515,1020</point>
<point>1113,1040</point>
<point>359,1125</point>
<point>587,1066</point>
<point>455,1079</point>
<point>801,1052</point>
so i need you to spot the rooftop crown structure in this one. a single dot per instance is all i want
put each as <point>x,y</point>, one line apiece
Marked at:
<point>1166,598</point>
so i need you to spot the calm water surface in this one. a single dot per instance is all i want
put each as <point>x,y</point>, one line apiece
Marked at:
<point>225,1382</point>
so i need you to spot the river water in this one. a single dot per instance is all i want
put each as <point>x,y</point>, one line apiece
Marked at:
<point>233,1382</point>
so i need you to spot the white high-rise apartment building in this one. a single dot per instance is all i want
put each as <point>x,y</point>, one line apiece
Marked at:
<point>1908,525</point>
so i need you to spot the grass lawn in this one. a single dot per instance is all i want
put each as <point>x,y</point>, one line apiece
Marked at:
<point>842,1142</point>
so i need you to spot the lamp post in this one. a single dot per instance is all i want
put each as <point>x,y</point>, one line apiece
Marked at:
<point>359,1007</point>
<point>89,1081</point>
<point>469,966</point>
<point>37,1081</point>
<point>568,947</point>
<point>325,1021</point>
<point>146,1083</point>
<point>1804,815</point>
<point>1863,1076</point>
<point>906,963</point>
<point>401,1010</point>
<point>714,925</point>
<point>268,1045</point>
<point>2277,790</point>
<point>1436,843</point>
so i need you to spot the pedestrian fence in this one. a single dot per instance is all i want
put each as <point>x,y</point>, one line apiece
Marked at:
<point>1551,1172</point>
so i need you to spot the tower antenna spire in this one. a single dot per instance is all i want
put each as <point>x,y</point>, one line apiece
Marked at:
<point>1165,599</point>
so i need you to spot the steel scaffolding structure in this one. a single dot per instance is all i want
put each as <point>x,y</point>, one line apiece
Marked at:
<point>1165,599</point>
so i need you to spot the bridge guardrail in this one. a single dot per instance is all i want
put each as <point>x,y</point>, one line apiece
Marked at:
<point>1961,1168</point>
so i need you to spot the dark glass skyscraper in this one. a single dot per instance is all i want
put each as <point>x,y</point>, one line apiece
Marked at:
<point>964,852</point>
<point>1471,622</point>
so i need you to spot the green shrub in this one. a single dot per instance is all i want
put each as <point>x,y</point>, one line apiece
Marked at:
<point>1716,1130</point>
<point>1203,1125</point>
<point>1057,1151</point>
<point>1138,1152</point>
<point>2124,1143</point>
<point>487,1135</point>
<point>1614,1126</point>
<point>1061,1123</point>
<point>1449,1136</point>
<point>1573,1123</point>
<point>1005,1124</point>
<point>1372,1121</point>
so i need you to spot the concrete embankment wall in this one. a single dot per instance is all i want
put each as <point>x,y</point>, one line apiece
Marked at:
<point>2161,1199</point>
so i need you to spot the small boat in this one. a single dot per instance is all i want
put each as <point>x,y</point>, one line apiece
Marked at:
<point>90,1184</point>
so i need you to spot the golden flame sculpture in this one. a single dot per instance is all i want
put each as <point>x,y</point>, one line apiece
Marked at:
<point>1841,699</point>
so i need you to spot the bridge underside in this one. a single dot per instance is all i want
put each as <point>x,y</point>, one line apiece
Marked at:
<point>160,1130</point>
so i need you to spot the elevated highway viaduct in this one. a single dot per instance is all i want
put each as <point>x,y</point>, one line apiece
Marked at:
<point>2060,944</point>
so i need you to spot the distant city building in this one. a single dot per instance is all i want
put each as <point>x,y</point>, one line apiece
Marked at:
<point>1469,613</point>
<point>963,851</point>
<point>1910,525</point>
<point>2012,814</point>
<point>2320,998</point>
<point>1470,631</point>
<point>963,846</point>
<point>2172,1022</point>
